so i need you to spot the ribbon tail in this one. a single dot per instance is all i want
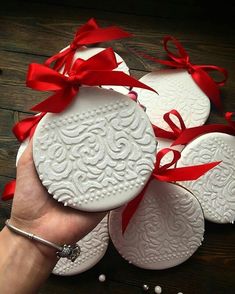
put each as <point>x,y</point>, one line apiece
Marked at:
<point>101,35</point>
<point>208,86</point>
<point>160,133</point>
<point>57,102</point>
<point>131,208</point>
<point>188,173</point>
<point>9,191</point>
<point>191,133</point>
<point>23,129</point>
<point>112,78</point>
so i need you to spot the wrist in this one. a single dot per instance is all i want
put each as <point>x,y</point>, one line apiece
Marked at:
<point>27,239</point>
<point>20,255</point>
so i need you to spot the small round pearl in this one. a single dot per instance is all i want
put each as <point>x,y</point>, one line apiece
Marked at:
<point>180,293</point>
<point>158,290</point>
<point>102,278</point>
<point>145,287</point>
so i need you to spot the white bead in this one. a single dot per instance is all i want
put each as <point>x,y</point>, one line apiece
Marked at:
<point>102,278</point>
<point>158,290</point>
<point>180,293</point>
<point>145,287</point>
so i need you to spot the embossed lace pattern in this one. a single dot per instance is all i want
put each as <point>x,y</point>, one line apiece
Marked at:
<point>101,153</point>
<point>216,189</point>
<point>176,90</point>
<point>93,247</point>
<point>166,230</point>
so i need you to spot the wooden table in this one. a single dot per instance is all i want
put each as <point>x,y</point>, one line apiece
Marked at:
<point>30,32</point>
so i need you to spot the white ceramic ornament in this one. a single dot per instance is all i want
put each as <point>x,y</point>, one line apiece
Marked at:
<point>166,229</point>
<point>85,53</point>
<point>93,247</point>
<point>216,189</point>
<point>97,154</point>
<point>177,90</point>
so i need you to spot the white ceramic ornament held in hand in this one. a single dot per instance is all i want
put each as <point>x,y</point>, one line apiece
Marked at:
<point>166,229</point>
<point>97,154</point>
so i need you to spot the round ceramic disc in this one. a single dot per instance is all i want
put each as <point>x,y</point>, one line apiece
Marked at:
<point>177,90</point>
<point>166,229</point>
<point>97,154</point>
<point>216,189</point>
<point>93,247</point>
<point>85,53</point>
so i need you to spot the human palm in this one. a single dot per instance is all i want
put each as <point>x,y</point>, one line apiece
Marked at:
<point>34,210</point>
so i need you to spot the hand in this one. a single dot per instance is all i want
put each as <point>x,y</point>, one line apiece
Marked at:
<point>35,211</point>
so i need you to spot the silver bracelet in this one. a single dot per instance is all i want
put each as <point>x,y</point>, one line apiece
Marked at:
<point>70,252</point>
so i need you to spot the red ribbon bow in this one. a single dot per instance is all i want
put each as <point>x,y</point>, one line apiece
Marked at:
<point>163,173</point>
<point>199,73</point>
<point>191,133</point>
<point>95,71</point>
<point>89,33</point>
<point>176,130</point>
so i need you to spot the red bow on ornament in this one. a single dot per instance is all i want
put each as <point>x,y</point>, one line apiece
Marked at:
<point>199,73</point>
<point>191,133</point>
<point>163,173</point>
<point>175,129</point>
<point>89,33</point>
<point>95,71</point>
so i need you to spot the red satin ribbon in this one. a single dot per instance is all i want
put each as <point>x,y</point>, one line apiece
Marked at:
<point>176,130</point>
<point>229,118</point>
<point>163,173</point>
<point>89,33</point>
<point>9,190</point>
<point>191,133</point>
<point>199,73</point>
<point>26,127</point>
<point>96,71</point>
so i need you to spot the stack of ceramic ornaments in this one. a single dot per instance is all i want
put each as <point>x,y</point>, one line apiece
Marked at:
<point>99,153</point>
<point>168,225</point>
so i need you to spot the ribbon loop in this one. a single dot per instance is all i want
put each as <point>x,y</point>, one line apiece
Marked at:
<point>89,33</point>
<point>176,130</point>
<point>95,71</point>
<point>191,133</point>
<point>159,169</point>
<point>199,73</point>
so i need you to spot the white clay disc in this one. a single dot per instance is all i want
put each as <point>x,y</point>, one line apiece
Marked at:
<point>93,247</point>
<point>85,53</point>
<point>97,154</point>
<point>166,229</point>
<point>177,90</point>
<point>21,149</point>
<point>216,189</point>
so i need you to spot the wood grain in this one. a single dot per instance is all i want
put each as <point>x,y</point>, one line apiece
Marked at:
<point>31,33</point>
